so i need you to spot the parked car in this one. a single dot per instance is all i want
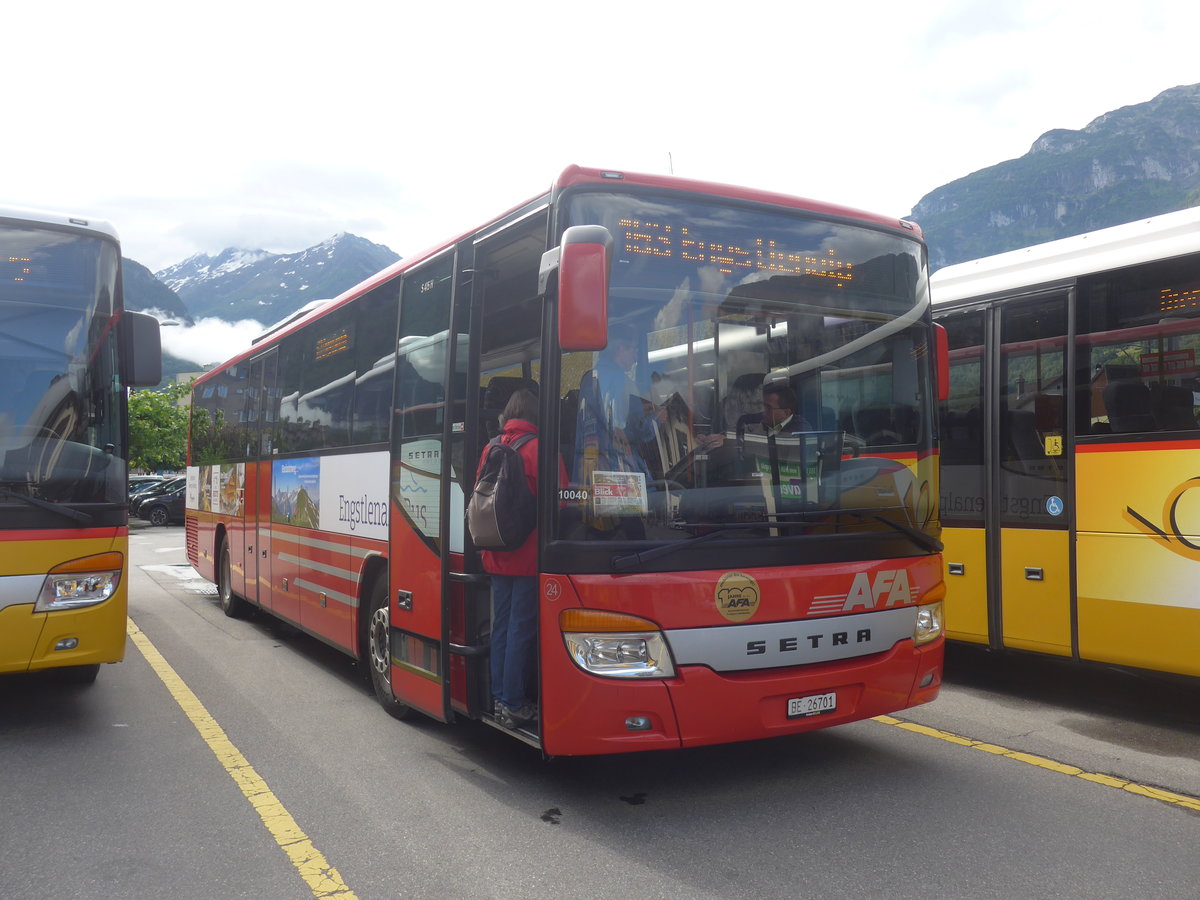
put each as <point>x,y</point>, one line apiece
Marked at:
<point>163,509</point>
<point>137,482</point>
<point>154,490</point>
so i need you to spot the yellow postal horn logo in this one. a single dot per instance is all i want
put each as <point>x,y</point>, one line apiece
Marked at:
<point>1178,529</point>
<point>737,596</point>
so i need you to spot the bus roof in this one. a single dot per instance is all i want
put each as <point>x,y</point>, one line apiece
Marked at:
<point>570,177</point>
<point>1159,237</point>
<point>44,217</point>
<point>577,175</point>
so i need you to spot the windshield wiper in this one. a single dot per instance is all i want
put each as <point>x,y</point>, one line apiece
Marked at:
<point>630,560</point>
<point>933,545</point>
<point>66,511</point>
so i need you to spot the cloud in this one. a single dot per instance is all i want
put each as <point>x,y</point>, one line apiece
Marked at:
<point>306,126</point>
<point>209,340</point>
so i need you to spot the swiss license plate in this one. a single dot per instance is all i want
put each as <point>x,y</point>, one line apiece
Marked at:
<point>815,705</point>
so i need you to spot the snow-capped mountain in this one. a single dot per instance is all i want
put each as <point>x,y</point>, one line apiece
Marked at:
<point>254,284</point>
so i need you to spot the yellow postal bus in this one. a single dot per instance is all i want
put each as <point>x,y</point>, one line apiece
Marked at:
<point>67,354</point>
<point>1070,449</point>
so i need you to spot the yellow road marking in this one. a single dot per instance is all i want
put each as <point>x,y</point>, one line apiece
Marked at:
<point>1181,800</point>
<point>322,878</point>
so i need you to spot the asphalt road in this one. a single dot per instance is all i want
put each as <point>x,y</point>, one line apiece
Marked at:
<point>231,758</point>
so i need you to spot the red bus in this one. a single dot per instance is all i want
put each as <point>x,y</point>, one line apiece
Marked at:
<point>701,581</point>
<point>68,351</point>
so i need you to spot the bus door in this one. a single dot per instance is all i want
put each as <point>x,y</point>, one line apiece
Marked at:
<point>265,413</point>
<point>505,355</point>
<point>964,494</point>
<point>1029,522</point>
<point>426,521</point>
<point>1005,499</point>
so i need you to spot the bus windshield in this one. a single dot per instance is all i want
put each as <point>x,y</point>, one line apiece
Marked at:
<point>60,394</point>
<point>767,375</point>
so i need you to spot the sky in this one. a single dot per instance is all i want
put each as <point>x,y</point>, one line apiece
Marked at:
<point>268,125</point>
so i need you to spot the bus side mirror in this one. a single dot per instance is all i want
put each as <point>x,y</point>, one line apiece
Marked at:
<point>143,350</point>
<point>942,347</point>
<point>582,260</point>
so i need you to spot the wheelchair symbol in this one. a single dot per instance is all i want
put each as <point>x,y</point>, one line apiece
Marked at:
<point>1054,506</point>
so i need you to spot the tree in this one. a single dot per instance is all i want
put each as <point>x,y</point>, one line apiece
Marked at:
<point>158,428</point>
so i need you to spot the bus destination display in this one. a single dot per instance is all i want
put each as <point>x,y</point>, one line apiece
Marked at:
<point>680,242</point>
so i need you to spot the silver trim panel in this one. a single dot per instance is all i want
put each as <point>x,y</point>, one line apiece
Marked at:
<point>17,590</point>
<point>770,645</point>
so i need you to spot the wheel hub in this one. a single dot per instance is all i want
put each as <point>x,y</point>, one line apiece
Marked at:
<point>380,650</point>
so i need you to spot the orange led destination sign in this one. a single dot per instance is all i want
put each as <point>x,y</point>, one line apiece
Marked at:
<point>333,344</point>
<point>1174,300</point>
<point>675,241</point>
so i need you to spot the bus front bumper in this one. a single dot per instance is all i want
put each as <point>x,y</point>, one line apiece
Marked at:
<point>584,714</point>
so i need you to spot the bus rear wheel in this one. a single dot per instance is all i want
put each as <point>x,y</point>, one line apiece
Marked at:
<point>379,651</point>
<point>231,604</point>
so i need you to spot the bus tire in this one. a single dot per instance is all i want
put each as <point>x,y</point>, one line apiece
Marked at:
<point>379,650</point>
<point>231,604</point>
<point>78,674</point>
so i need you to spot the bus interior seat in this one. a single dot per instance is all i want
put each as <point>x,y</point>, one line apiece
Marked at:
<point>673,436</point>
<point>744,399</point>
<point>1023,440</point>
<point>1175,408</point>
<point>883,424</point>
<point>825,420</point>
<point>962,436</point>
<point>704,401</point>
<point>568,416</point>
<point>1128,403</point>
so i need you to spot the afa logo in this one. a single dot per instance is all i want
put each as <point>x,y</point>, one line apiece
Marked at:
<point>737,596</point>
<point>881,590</point>
<point>889,587</point>
<point>1175,522</point>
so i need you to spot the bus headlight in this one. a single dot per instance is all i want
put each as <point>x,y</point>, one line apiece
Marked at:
<point>80,582</point>
<point>930,623</point>
<point>615,645</point>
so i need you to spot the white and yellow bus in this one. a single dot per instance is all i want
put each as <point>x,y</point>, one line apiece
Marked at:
<point>1070,448</point>
<point>67,353</point>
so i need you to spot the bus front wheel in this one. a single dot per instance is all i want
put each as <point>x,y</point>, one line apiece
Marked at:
<point>78,674</point>
<point>379,651</point>
<point>231,604</point>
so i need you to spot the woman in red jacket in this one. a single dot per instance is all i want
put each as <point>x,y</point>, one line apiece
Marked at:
<point>514,584</point>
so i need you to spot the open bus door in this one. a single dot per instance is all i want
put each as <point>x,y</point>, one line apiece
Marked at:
<point>409,623</point>
<point>437,607</point>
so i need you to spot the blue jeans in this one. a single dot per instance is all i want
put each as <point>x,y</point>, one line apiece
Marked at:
<point>514,638</point>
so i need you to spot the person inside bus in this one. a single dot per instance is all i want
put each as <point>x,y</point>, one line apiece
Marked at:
<point>628,415</point>
<point>615,428</point>
<point>779,414</point>
<point>614,421</point>
<point>514,584</point>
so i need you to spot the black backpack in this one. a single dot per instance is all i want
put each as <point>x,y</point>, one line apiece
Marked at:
<point>502,512</point>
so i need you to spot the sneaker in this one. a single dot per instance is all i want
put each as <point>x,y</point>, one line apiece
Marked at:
<point>504,716</point>
<point>522,716</point>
